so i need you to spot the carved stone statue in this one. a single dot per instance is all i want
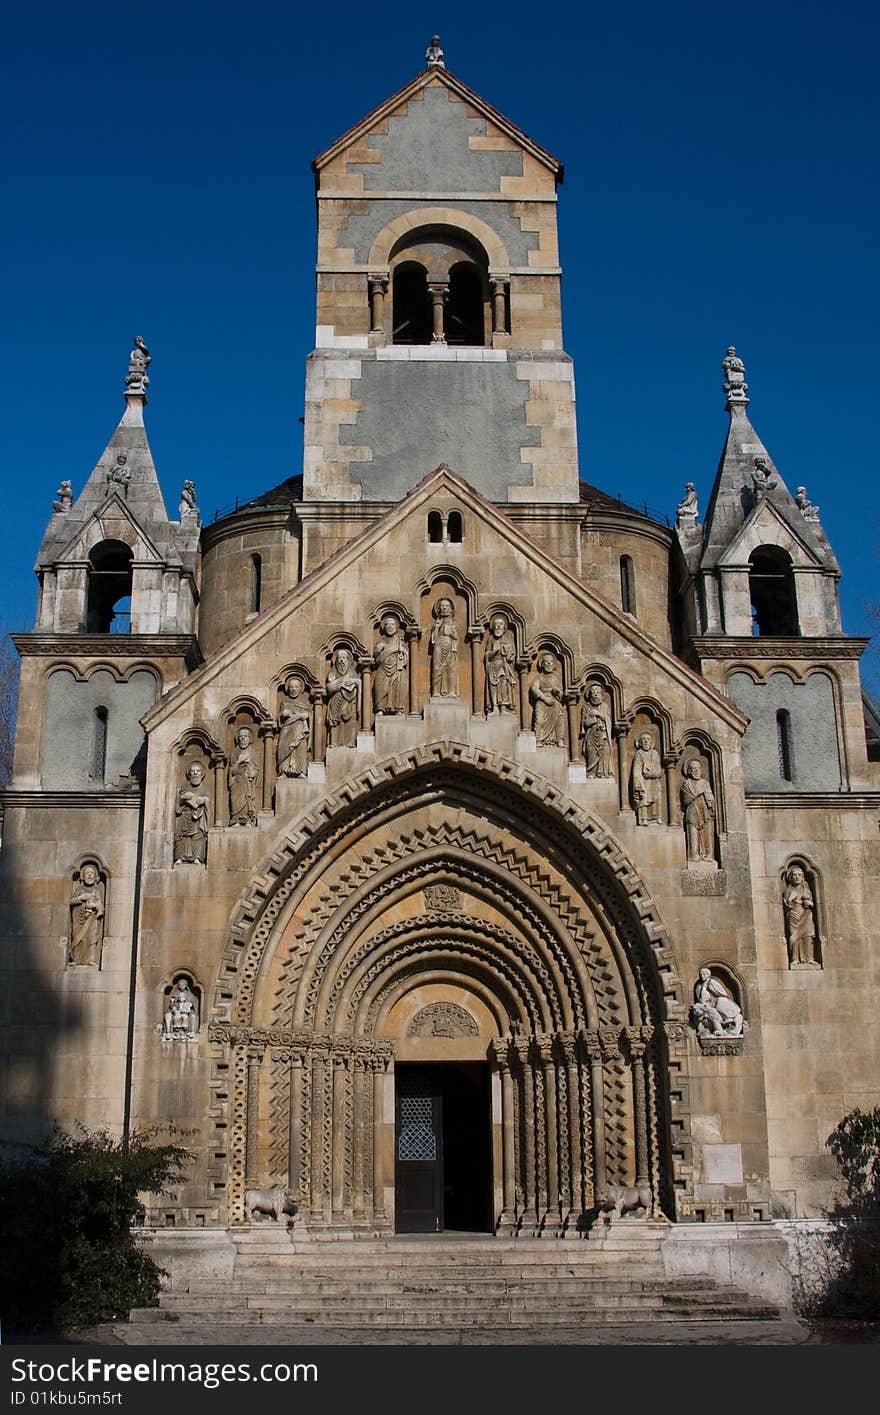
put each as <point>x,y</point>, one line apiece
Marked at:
<point>545,695</point>
<point>64,497</point>
<point>698,809</point>
<point>295,725</point>
<point>595,733</point>
<point>444,651</point>
<point>139,359</point>
<point>735,385</point>
<point>645,780</point>
<point>763,479</point>
<point>87,899</point>
<point>181,1018</point>
<point>390,660</point>
<point>343,700</point>
<point>799,908</point>
<point>500,664</point>
<point>805,505</point>
<point>714,1012</point>
<point>434,54</point>
<point>243,776</point>
<point>188,510</point>
<point>119,475</point>
<point>687,509</point>
<point>191,819</point>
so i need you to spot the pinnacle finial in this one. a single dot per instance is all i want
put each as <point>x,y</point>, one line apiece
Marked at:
<point>735,385</point>
<point>136,380</point>
<point>434,54</point>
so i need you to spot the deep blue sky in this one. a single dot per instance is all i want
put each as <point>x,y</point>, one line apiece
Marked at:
<point>720,187</point>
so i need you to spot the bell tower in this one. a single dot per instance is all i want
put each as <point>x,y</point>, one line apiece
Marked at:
<point>438,333</point>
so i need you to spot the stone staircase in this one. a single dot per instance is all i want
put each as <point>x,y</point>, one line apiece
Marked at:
<point>450,1281</point>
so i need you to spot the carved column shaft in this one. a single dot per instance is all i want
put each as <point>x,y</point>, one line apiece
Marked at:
<point>294,1129</point>
<point>527,1131</point>
<point>507,1141</point>
<point>499,321</point>
<point>378,1117</point>
<point>438,293</point>
<point>477,686</point>
<point>378,284</point>
<point>217,766</point>
<point>340,1078</point>
<point>622,783</point>
<point>640,1111</point>
<point>366,667</point>
<point>252,1132</point>
<point>268,736</point>
<point>571,704</point>
<point>671,792</point>
<point>357,1139</point>
<point>412,640</point>
<point>548,1067</point>
<point>320,709</point>
<point>597,1096</point>
<point>522,669</point>
<point>317,1133</point>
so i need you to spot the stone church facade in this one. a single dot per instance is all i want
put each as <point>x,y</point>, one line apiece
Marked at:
<point>444,841</point>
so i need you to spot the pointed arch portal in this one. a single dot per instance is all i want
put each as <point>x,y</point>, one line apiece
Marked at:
<point>449,930</point>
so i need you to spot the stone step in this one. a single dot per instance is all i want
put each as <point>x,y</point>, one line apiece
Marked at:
<point>485,1287</point>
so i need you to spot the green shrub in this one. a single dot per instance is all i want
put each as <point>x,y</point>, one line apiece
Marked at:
<point>67,1208</point>
<point>855,1236</point>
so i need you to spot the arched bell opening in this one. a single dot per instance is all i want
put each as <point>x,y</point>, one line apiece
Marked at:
<point>476,925</point>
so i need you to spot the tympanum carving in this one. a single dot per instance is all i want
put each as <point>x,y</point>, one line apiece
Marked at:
<point>443,1019</point>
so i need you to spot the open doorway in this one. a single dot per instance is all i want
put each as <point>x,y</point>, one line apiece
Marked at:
<point>443,1148</point>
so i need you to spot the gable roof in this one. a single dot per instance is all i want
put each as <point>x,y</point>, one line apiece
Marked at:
<point>267,621</point>
<point>421,81</point>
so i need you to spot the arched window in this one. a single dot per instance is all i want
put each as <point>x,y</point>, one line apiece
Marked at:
<point>785,744</point>
<point>627,585</point>
<point>464,319</point>
<point>108,608</point>
<point>256,582</point>
<point>99,745</point>
<point>435,527</point>
<point>411,306</point>
<point>455,527</point>
<point>772,593</point>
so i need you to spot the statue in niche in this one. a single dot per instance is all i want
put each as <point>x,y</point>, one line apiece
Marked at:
<point>86,917</point>
<point>595,733</point>
<point>295,726</point>
<point>444,651</point>
<point>698,808</point>
<point>243,776</point>
<point>191,819</point>
<point>139,359</point>
<point>119,475</point>
<point>714,1012</point>
<point>647,774</point>
<point>390,660</point>
<point>799,908</point>
<point>500,663</point>
<point>181,1018</point>
<point>188,510</point>
<point>548,713</point>
<point>64,497</point>
<point>343,700</point>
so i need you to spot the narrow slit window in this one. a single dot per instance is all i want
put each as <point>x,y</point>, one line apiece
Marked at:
<point>455,527</point>
<point>256,583</point>
<point>99,756</point>
<point>784,744</point>
<point>435,527</point>
<point>627,585</point>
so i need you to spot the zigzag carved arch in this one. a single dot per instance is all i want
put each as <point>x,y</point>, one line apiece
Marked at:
<point>575,842</point>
